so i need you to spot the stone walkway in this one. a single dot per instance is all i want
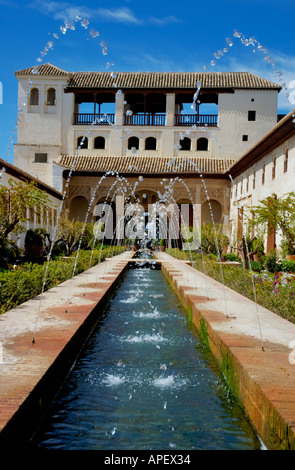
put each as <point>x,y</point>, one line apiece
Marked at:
<point>40,340</point>
<point>252,345</point>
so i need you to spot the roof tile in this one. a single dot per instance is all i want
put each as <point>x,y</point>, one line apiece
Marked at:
<point>156,80</point>
<point>151,165</point>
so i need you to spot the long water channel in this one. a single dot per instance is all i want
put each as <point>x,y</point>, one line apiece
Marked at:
<point>144,381</point>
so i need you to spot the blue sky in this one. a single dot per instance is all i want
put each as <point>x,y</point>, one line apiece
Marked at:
<point>145,36</point>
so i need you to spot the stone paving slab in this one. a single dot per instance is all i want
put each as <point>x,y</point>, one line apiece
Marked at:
<point>41,339</point>
<point>251,345</point>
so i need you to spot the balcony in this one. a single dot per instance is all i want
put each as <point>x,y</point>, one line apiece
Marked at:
<point>97,119</point>
<point>147,119</point>
<point>196,120</point>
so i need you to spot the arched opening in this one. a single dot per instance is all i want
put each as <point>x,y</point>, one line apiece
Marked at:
<point>216,210</point>
<point>104,214</point>
<point>34,97</point>
<point>185,144</point>
<point>150,143</point>
<point>78,208</point>
<point>99,143</point>
<point>133,143</point>
<point>202,143</point>
<point>51,96</point>
<point>82,142</point>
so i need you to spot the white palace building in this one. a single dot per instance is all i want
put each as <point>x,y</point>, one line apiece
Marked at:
<point>219,133</point>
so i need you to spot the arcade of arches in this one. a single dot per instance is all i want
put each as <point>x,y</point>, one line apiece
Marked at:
<point>147,193</point>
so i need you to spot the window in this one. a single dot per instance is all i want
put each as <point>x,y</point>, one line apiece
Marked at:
<point>286,161</point>
<point>99,143</point>
<point>34,97</point>
<point>202,144</point>
<point>51,96</point>
<point>254,178</point>
<point>133,143</point>
<point>263,175</point>
<point>185,144</point>
<point>82,143</point>
<point>245,138</point>
<point>274,168</point>
<point>40,157</point>
<point>251,115</point>
<point>150,143</point>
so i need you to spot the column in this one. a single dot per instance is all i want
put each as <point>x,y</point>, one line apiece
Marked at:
<point>119,118</point>
<point>170,109</point>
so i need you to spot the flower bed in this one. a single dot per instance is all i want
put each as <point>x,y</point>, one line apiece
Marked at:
<point>274,291</point>
<point>26,281</point>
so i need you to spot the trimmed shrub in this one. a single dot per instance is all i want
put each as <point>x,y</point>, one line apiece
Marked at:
<point>26,282</point>
<point>288,266</point>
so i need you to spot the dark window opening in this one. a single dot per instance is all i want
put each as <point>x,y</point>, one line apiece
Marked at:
<point>40,157</point>
<point>34,97</point>
<point>150,143</point>
<point>286,162</point>
<point>202,144</point>
<point>51,95</point>
<point>185,144</point>
<point>82,143</point>
<point>99,143</point>
<point>245,138</point>
<point>133,143</point>
<point>251,115</point>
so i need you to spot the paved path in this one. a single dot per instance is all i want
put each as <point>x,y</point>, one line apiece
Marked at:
<point>252,346</point>
<point>40,340</point>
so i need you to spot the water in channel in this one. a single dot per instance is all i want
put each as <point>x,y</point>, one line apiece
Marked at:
<point>145,382</point>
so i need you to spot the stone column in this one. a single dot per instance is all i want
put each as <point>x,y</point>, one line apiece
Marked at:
<point>198,210</point>
<point>119,117</point>
<point>170,109</point>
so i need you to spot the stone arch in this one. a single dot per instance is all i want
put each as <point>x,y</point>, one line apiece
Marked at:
<point>216,208</point>
<point>78,208</point>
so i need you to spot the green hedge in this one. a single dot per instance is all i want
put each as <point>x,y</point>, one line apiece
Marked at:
<point>274,291</point>
<point>26,282</point>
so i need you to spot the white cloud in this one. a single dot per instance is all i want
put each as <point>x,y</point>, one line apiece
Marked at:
<point>165,20</point>
<point>122,15</point>
<point>66,11</point>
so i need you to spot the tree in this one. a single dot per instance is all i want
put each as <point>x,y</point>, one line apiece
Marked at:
<point>70,231</point>
<point>15,199</point>
<point>277,213</point>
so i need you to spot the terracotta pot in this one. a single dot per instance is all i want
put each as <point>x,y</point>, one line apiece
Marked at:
<point>290,257</point>
<point>162,248</point>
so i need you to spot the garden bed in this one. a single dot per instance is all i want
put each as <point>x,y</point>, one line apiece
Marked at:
<point>25,281</point>
<point>274,291</point>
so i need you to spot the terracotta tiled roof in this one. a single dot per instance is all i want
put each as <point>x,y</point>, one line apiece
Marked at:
<point>172,80</point>
<point>156,80</point>
<point>45,70</point>
<point>145,164</point>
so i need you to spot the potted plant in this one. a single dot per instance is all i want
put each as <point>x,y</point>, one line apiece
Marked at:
<point>127,244</point>
<point>288,249</point>
<point>162,244</point>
